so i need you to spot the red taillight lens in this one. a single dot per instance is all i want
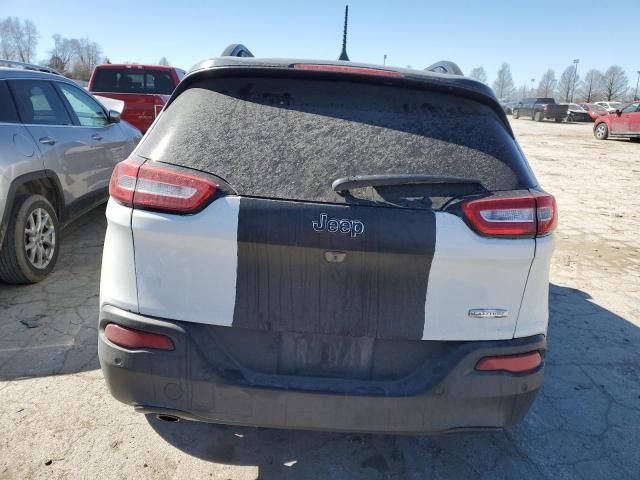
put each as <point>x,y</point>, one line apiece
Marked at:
<point>521,363</point>
<point>134,339</point>
<point>547,213</point>
<point>123,181</point>
<point>346,69</point>
<point>502,216</point>
<point>148,186</point>
<point>522,216</point>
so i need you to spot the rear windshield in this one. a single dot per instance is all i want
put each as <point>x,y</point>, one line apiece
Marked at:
<point>284,138</point>
<point>133,80</point>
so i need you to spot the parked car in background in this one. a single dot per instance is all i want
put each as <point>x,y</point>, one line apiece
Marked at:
<point>508,107</point>
<point>539,109</point>
<point>610,106</point>
<point>624,122</point>
<point>576,113</point>
<point>287,248</point>
<point>594,110</point>
<point>58,147</point>
<point>144,88</point>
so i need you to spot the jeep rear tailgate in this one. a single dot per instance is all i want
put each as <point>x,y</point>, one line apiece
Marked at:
<point>283,252</point>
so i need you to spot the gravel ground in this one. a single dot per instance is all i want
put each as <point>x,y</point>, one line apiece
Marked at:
<point>58,420</point>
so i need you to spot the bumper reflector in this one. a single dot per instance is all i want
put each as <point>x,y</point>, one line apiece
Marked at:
<point>521,363</point>
<point>134,339</point>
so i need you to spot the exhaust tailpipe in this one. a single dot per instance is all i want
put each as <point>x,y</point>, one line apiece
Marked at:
<point>167,418</point>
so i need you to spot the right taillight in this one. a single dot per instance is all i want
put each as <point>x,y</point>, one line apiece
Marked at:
<point>520,363</point>
<point>546,213</point>
<point>519,216</point>
<point>161,188</point>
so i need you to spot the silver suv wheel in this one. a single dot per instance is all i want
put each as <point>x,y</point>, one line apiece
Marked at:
<point>39,238</point>
<point>32,242</point>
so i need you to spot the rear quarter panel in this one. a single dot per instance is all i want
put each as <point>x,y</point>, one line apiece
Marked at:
<point>469,271</point>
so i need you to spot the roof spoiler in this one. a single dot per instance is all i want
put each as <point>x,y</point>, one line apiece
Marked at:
<point>236,50</point>
<point>27,66</point>
<point>445,66</point>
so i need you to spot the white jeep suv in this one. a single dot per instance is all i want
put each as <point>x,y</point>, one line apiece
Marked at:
<point>327,245</point>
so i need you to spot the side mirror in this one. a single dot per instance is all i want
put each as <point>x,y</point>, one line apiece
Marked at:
<point>113,116</point>
<point>618,112</point>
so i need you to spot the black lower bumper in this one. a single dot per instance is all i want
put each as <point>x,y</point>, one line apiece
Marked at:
<point>242,377</point>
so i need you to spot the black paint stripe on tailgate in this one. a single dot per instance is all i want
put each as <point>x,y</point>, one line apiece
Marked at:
<point>285,282</point>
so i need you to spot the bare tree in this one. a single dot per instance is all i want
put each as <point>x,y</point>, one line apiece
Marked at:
<point>565,84</point>
<point>523,91</point>
<point>479,74</point>
<point>88,55</point>
<point>164,61</point>
<point>547,84</point>
<point>7,46</point>
<point>592,86</point>
<point>616,83</point>
<point>62,54</point>
<point>18,39</point>
<point>503,85</point>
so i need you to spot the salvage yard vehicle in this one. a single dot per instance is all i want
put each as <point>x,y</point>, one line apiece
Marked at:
<point>58,148</point>
<point>327,245</point>
<point>144,89</point>
<point>539,109</point>
<point>610,106</point>
<point>594,110</point>
<point>623,123</point>
<point>577,113</point>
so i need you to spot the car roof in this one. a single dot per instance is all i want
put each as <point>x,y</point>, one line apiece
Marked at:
<point>443,81</point>
<point>13,73</point>
<point>139,66</point>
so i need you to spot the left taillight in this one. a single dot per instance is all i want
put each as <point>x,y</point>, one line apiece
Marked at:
<point>162,188</point>
<point>527,216</point>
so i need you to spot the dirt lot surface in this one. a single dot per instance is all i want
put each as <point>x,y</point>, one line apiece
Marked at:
<point>57,419</point>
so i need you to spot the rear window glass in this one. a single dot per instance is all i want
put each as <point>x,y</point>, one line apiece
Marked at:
<point>133,80</point>
<point>291,139</point>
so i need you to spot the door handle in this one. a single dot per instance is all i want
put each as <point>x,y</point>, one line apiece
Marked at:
<point>47,141</point>
<point>97,137</point>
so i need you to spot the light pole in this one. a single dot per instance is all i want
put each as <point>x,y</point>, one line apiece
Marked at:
<point>575,76</point>
<point>635,95</point>
<point>532,82</point>
<point>384,59</point>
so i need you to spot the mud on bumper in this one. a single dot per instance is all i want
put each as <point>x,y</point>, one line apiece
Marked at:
<point>242,377</point>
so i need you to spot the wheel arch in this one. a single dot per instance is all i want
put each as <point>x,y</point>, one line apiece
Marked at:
<point>42,182</point>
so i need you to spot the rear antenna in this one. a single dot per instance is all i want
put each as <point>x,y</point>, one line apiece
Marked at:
<point>343,54</point>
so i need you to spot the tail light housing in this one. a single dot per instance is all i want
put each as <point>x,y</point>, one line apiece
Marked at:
<point>520,363</point>
<point>136,339</point>
<point>526,216</point>
<point>146,185</point>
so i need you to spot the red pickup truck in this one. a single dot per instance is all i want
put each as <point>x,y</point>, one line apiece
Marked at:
<point>144,89</point>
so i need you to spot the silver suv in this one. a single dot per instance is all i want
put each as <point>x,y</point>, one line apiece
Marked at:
<point>58,147</point>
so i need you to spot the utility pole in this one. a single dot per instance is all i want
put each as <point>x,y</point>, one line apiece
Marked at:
<point>575,76</point>
<point>635,95</point>
<point>384,59</point>
<point>533,80</point>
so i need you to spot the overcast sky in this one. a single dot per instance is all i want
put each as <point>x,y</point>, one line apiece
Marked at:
<point>531,36</point>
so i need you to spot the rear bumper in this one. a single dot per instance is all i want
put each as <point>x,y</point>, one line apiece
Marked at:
<point>445,393</point>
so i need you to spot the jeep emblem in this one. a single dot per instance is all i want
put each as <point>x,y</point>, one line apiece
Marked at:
<point>334,225</point>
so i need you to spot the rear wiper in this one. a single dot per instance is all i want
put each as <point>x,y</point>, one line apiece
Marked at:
<point>344,184</point>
